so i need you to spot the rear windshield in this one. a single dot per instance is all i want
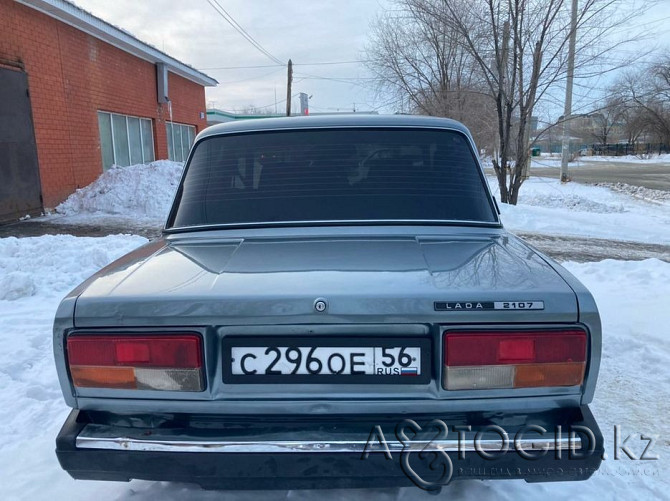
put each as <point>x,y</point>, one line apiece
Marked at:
<point>350,175</point>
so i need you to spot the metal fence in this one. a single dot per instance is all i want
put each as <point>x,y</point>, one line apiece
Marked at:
<point>617,150</point>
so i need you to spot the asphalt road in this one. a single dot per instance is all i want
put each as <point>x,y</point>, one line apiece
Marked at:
<point>563,248</point>
<point>654,176</point>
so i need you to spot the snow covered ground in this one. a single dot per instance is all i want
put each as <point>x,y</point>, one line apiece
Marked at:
<point>554,160</point>
<point>631,159</point>
<point>549,207</point>
<point>633,389</point>
<point>549,161</point>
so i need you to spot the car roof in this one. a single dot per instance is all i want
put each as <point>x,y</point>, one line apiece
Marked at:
<point>332,121</point>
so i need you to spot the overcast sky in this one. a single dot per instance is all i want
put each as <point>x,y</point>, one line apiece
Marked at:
<point>307,31</point>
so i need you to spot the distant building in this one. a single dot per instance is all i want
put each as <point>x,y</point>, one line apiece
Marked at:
<point>216,116</point>
<point>78,95</point>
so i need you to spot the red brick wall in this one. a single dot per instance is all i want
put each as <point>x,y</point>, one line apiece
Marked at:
<point>72,75</point>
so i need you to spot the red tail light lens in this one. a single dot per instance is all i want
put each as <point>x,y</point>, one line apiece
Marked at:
<point>151,362</point>
<point>513,359</point>
<point>145,351</point>
<point>491,348</point>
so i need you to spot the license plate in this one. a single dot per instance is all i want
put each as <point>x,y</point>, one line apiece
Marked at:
<point>339,360</point>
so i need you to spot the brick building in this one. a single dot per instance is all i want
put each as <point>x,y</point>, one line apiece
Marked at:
<point>78,95</point>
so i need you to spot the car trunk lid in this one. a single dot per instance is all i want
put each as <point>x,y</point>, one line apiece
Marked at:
<point>362,279</point>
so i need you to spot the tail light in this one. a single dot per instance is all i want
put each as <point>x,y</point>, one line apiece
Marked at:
<point>152,362</point>
<point>513,359</point>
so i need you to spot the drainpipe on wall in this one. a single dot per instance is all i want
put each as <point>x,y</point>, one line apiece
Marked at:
<point>162,83</point>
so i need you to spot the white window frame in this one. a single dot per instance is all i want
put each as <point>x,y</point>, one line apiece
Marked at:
<point>185,127</point>
<point>125,119</point>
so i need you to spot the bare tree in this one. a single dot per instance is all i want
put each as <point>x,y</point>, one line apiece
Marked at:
<point>661,81</point>
<point>645,91</point>
<point>608,119</point>
<point>529,56</point>
<point>633,124</point>
<point>418,59</point>
<point>250,109</point>
<point>519,48</point>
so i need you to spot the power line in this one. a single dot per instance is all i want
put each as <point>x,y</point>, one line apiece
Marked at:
<point>307,76</point>
<point>324,63</point>
<point>360,81</point>
<point>278,102</point>
<point>224,13</point>
<point>257,77</point>
<point>320,63</point>
<point>230,20</point>
<point>242,67</point>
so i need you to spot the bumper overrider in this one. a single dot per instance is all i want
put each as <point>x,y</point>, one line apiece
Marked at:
<point>318,452</point>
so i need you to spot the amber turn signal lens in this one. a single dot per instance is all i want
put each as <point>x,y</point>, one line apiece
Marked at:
<point>103,377</point>
<point>533,375</point>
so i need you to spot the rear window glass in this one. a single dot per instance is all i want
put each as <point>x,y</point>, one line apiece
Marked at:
<point>332,175</point>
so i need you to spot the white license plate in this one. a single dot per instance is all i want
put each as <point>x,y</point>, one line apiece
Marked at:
<point>325,361</point>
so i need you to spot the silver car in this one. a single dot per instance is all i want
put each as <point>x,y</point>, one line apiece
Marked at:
<point>334,302</point>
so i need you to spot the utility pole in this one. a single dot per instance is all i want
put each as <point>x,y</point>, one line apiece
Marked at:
<point>567,113</point>
<point>288,88</point>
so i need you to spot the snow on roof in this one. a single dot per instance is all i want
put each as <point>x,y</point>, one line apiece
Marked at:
<point>75,16</point>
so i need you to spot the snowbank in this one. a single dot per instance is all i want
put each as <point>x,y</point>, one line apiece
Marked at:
<point>554,160</point>
<point>51,264</point>
<point>630,159</point>
<point>550,207</point>
<point>641,192</point>
<point>633,388</point>
<point>143,192</point>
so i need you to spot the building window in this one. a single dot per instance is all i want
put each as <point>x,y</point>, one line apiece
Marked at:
<point>180,139</point>
<point>125,140</point>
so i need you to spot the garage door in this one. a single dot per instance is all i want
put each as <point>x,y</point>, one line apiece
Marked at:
<point>20,190</point>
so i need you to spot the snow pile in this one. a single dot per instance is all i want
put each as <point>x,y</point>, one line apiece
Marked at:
<point>141,191</point>
<point>633,388</point>
<point>51,264</point>
<point>16,284</point>
<point>638,191</point>
<point>550,207</point>
<point>570,201</point>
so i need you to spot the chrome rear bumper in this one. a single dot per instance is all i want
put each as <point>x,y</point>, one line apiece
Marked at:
<point>296,452</point>
<point>114,438</point>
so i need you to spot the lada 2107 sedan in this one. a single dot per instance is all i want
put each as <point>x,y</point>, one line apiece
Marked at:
<point>333,302</point>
